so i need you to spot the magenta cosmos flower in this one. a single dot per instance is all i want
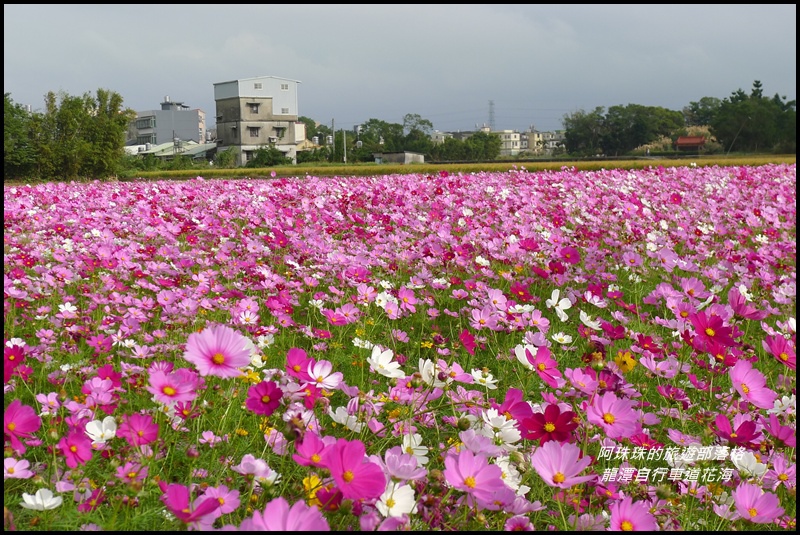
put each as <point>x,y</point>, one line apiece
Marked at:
<point>559,464</point>
<point>473,474</point>
<point>264,398</point>
<point>755,504</point>
<point>218,351</point>
<point>174,387</point>
<point>76,447</point>
<point>546,366</point>
<point>751,385</point>
<point>615,415</point>
<point>19,421</point>
<point>552,424</point>
<point>355,476</point>
<point>278,516</point>
<point>627,515</point>
<point>138,429</point>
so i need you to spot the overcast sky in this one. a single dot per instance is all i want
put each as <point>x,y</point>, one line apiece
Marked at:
<point>447,63</point>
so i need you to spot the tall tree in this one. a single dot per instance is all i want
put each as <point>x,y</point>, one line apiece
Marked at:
<point>584,132</point>
<point>19,154</point>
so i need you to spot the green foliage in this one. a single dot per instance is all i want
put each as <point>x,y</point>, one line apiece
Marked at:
<point>754,123</point>
<point>267,157</point>
<point>479,147</point>
<point>225,159</point>
<point>19,156</point>
<point>74,137</point>
<point>321,154</point>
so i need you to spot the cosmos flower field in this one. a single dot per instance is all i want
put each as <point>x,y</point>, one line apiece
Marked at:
<point>563,350</point>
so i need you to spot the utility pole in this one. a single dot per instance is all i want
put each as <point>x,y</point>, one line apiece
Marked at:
<point>333,142</point>
<point>344,143</point>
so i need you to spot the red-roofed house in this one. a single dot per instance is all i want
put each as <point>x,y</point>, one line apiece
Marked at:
<point>690,143</point>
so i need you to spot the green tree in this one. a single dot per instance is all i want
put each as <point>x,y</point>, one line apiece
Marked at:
<point>584,132</point>
<point>19,154</point>
<point>754,123</point>
<point>483,146</point>
<point>268,157</point>
<point>225,159</point>
<point>631,126</point>
<point>702,112</point>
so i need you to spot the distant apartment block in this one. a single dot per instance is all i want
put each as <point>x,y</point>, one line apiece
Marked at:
<point>173,121</point>
<point>252,113</point>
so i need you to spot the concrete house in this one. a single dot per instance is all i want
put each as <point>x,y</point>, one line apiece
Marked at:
<point>173,120</point>
<point>254,113</point>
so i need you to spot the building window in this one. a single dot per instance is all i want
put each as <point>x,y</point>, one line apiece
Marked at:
<point>285,111</point>
<point>257,85</point>
<point>253,107</point>
<point>284,87</point>
<point>253,130</point>
<point>145,122</point>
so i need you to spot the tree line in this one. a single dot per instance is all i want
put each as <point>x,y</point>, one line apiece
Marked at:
<point>742,122</point>
<point>84,136</point>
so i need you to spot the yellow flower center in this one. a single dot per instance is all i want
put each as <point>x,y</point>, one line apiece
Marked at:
<point>168,390</point>
<point>549,427</point>
<point>10,469</point>
<point>710,331</point>
<point>609,418</point>
<point>390,503</point>
<point>783,477</point>
<point>265,399</point>
<point>541,366</point>
<point>745,388</point>
<point>558,477</point>
<point>316,458</point>
<point>348,476</point>
<point>753,512</point>
<point>626,526</point>
<point>73,448</point>
<point>218,358</point>
<point>12,426</point>
<point>470,482</point>
<point>784,357</point>
<point>131,475</point>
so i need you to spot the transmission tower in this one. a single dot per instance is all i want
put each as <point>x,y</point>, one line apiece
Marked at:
<point>491,115</point>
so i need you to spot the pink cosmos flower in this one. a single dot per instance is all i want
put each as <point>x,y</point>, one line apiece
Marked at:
<point>138,429</point>
<point>473,474</point>
<point>171,388</point>
<point>559,464</point>
<point>132,472</point>
<point>751,385</point>
<point>755,504</point>
<point>355,476</point>
<point>780,348</point>
<point>323,376</point>
<point>76,447</point>
<point>279,516</point>
<point>712,328</point>
<point>177,498</point>
<point>615,415</point>
<point>546,366</point>
<point>781,473</point>
<point>12,357</point>
<point>264,398</point>
<point>627,515</point>
<point>218,351</point>
<point>311,448</point>
<point>297,362</point>
<point>19,421</point>
<point>16,469</point>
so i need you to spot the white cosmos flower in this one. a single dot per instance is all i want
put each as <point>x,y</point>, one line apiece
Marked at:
<point>484,378</point>
<point>397,500</point>
<point>587,320</point>
<point>519,352</point>
<point>101,432</point>
<point>348,420</point>
<point>562,338</point>
<point>383,362</point>
<point>501,430</point>
<point>748,465</point>
<point>412,445</point>
<point>43,500</point>
<point>559,305</point>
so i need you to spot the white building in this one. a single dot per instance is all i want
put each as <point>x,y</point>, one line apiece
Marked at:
<point>258,112</point>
